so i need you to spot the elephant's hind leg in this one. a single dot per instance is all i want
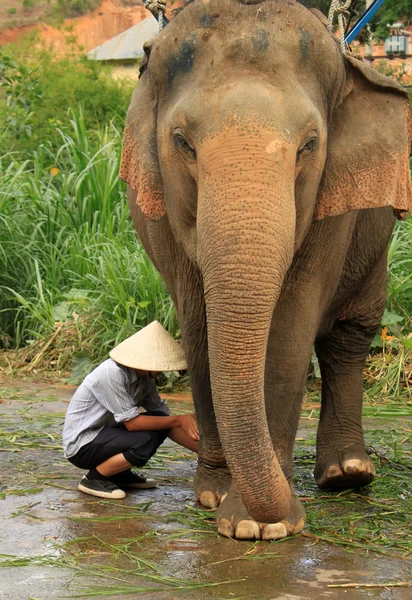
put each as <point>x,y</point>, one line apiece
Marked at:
<point>342,461</point>
<point>341,458</point>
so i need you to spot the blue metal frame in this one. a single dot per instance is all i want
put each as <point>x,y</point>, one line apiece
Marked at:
<point>165,19</point>
<point>364,20</point>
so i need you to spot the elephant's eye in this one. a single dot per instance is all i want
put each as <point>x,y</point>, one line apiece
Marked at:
<point>182,144</point>
<point>310,145</point>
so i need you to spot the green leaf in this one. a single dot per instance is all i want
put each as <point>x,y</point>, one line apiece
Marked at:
<point>315,363</point>
<point>390,318</point>
<point>75,294</point>
<point>377,342</point>
<point>407,343</point>
<point>82,365</point>
<point>61,311</point>
<point>143,304</point>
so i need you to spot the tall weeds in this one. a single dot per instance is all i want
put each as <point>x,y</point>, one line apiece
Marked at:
<point>67,247</point>
<point>400,271</point>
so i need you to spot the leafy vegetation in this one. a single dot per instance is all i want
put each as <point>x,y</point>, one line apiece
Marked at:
<point>392,11</point>
<point>37,94</point>
<point>73,8</point>
<point>68,253</point>
<point>54,12</point>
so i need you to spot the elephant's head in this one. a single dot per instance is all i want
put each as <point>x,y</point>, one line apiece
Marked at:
<point>246,126</point>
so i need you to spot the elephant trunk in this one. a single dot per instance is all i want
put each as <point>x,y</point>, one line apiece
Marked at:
<point>246,229</point>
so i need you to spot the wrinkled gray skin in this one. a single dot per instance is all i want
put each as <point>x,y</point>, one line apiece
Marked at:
<point>265,164</point>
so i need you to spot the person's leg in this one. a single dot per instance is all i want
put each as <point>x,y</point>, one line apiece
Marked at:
<point>114,465</point>
<point>110,456</point>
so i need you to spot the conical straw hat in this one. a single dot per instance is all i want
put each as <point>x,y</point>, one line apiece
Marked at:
<point>150,349</point>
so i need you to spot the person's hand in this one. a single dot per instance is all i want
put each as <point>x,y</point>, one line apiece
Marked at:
<point>189,425</point>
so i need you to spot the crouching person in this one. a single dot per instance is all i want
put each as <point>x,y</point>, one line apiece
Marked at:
<point>104,430</point>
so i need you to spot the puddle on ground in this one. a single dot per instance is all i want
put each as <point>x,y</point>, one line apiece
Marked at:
<point>161,539</point>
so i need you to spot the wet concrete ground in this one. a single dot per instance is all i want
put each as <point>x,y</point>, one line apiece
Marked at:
<point>159,533</point>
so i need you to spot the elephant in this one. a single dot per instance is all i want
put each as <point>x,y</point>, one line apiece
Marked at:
<point>265,173</point>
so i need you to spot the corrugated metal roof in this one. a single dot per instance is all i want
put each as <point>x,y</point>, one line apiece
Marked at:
<point>128,44</point>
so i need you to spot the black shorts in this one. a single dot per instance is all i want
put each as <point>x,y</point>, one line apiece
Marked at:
<point>136,446</point>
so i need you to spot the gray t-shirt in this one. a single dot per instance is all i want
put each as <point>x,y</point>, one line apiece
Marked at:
<point>110,394</point>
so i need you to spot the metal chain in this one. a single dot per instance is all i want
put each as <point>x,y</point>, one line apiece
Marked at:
<point>304,457</point>
<point>340,8</point>
<point>396,465</point>
<point>158,9</point>
<point>370,450</point>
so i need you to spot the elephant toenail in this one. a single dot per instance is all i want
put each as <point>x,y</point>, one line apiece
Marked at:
<point>225,528</point>
<point>247,530</point>
<point>354,465</point>
<point>274,531</point>
<point>370,468</point>
<point>208,499</point>
<point>334,471</point>
<point>299,526</point>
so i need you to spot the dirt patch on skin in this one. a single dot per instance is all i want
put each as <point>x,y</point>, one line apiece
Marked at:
<point>50,531</point>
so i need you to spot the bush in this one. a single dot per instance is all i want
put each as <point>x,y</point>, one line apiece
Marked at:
<point>68,248</point>
<point>396,72</point>
<point>39,91</point>
<point>400,271</point>
<point>73,8</point>
<point>28,4</point>
<point>68,251</point>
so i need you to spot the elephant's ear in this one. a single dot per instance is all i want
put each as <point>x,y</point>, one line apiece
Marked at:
<point>367,165</point>
<point>139,165</point>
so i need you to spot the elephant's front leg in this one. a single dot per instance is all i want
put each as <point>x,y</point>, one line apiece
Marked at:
<point>213,479</point>
<point>285,377</point>
<point>185,286</point>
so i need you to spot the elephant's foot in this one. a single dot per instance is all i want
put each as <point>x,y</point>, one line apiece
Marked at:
<point>234,521</point>
<point>211,484</point>
<point>350,467</point>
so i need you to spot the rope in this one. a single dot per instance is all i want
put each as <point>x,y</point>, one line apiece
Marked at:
<point>158,9</point>
<point>340,8</point>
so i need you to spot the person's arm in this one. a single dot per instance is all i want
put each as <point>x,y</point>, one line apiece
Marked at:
<point>152,400</point>
<point>114,395</point>
<point>149,423</point>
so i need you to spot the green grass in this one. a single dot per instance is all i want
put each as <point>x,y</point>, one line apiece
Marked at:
<point>400,270</point>
<point>68,252</point>
<point>114,578</point>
